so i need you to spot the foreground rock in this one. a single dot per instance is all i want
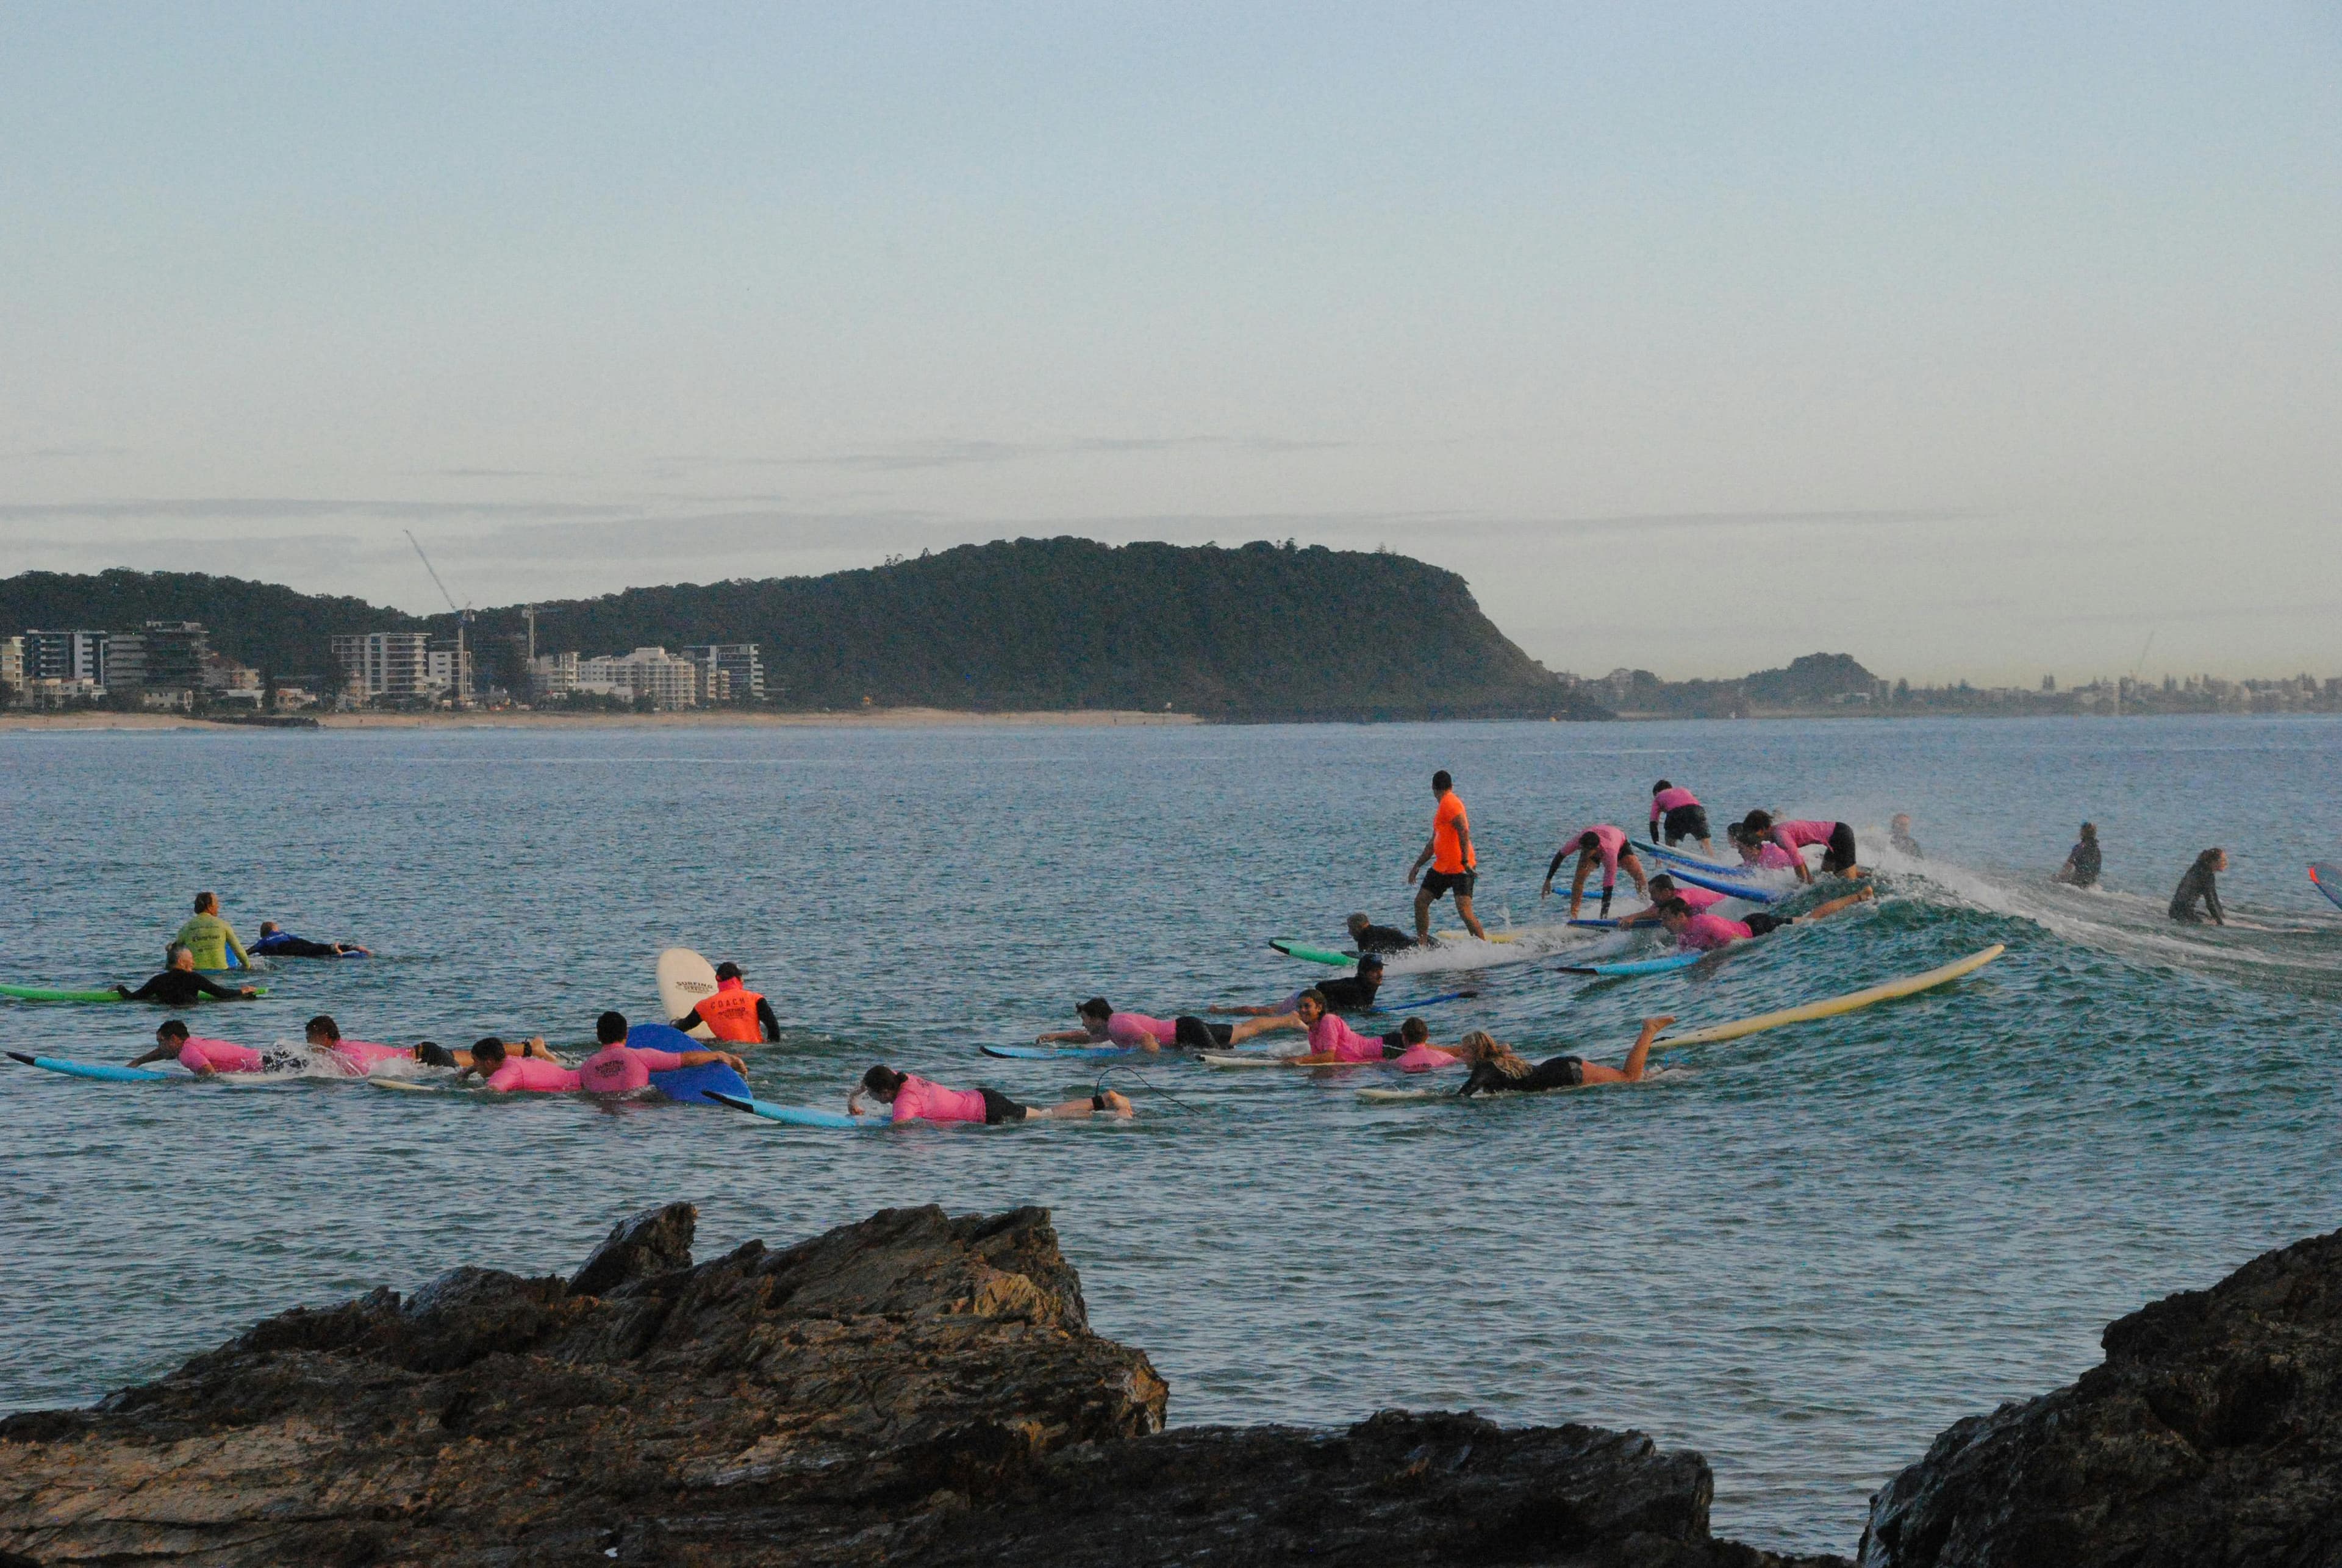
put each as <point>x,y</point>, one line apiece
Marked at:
<point>911,1389</point>
<point>2211,1435</point>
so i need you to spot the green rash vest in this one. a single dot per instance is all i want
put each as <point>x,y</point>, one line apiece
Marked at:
<point>209,938</point>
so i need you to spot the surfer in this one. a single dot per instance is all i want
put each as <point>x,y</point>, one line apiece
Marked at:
<point>2082,861</point>
<point>1102,1025</point>
<point>180,986</point>
<point>1898,835</point>
<point>915,1099</point>
<point>1368,937</point>
<point>1409,1049</point>
<point>1760,852</point>
<point>1678,813</point>
<point>1663,887</point>
<point>1330,1039</point>
<point>198,1055</point>
<point>1455,864</point>
<point>1344,994</point>
<point>734,1015</point>
<point>1498,1069</point>
<point>532,1071</point>
<point>210,938</point>
<point>2202,882</point>
<point>1835,838</point>
<point>1614,850</point>
<point>618,1068</point>
<point>1705,933</point>
<point>275,942</point>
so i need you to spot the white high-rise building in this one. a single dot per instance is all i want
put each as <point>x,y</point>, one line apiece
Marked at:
<point>377,665</point>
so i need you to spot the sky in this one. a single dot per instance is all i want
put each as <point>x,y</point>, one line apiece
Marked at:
<point>1977,342</point>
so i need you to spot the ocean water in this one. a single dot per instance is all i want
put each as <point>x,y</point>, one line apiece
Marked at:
<point>1803,1252</point>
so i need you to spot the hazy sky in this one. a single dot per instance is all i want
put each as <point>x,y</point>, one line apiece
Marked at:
<point>1972,341</point>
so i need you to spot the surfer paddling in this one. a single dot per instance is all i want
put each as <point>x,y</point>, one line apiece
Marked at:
<point>915,1099</point>
<point>1663,887</point>
<point>1498,1069</point>
<point>1610,845</point>
<point>1455,864</point>
<point>198,1055</point>
<point>1678,813</point>
<point>1353,993</point>
<point>619,1068</point>
<point>1368,937</point>
<point>1103,1025</point>
<point>1696,933</point>
<point>275,942</point>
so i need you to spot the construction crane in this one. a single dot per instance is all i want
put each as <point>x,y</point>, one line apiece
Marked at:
<point>463,618</point>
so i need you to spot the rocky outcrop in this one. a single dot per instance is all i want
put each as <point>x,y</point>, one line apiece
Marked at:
<point>914,1389</point>
<point>2211,1435</point>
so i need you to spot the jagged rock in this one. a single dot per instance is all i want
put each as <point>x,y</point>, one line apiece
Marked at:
<point>2211,1435</point>
<point>912,1389</point>
<point>643,1247</point>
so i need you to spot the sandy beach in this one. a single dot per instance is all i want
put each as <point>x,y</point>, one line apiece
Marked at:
<point>516,718</point>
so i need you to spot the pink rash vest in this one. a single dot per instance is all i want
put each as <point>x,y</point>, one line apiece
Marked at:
<point>622,1069</point>
<point>1794,836</point>
<point>919,1100</point>
<point>1330,1036</point>
<point>533,1075</point>
<point>202,1056</point>
<point>1707,933</point>
<point>1138,1030</point>
<point>1667,800</point>
<point>1613,839</point>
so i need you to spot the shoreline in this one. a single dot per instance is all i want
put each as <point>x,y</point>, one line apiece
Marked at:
<point>719,718</point>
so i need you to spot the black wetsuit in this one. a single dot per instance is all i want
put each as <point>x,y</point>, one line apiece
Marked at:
<point>2201,881</point>
<point>1553,1072</point>
<point>178,988</point>
<point>2082,863</point>
<point>1905,844</point>
<point>1192,1033</point>
<point>284,944</point>
<point>1350,993</point>
<point>1384,939</point>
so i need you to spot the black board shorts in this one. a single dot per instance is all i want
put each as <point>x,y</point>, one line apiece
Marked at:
<point>998,1108</point>
<point>1438,883</point>
<point>1191,1034</point>
<point>1686,821</point>
<point>1839,856</point>
<point>1760,922</point>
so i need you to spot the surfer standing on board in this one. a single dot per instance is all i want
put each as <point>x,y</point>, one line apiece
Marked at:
<point>1455,864</point>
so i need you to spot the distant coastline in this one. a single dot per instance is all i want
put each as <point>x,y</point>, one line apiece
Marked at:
<point>688,719</point>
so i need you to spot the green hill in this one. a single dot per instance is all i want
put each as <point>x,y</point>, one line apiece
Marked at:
<point>1259,631</point>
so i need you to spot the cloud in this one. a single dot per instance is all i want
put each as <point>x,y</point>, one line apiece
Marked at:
<point>262,507</point>
<point>913,456</point>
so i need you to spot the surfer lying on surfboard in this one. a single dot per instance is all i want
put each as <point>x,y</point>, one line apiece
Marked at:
<point>1498,1069</point>
<point>1102,1025</point>
<point>203,1057</point>
<point>1368,937</point>
<point>1333,1043</point>
<point>914,1098</point>
<point>1331,1039</point>
<point>1663,887</point>
<point>1696,933</point>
